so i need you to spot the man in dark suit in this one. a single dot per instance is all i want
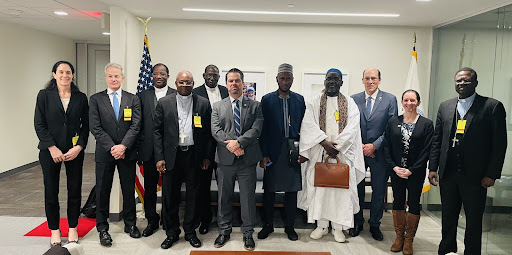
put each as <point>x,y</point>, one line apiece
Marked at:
<point>114,118</point>
<point>376,107</point>
<point>183,143</point>
<point>214,93</point>
<point>148,100</point>
<point>283,111</point>
<point>236,126</point>
<point>468,150</point>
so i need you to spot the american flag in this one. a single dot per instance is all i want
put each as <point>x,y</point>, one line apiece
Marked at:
<point>145,80</point>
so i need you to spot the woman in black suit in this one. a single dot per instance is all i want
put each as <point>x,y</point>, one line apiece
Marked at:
<point>62,126</point>
<point>408,138</point>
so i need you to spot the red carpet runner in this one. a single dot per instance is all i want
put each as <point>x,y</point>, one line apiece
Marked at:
<point>257,253</point>
<point>84,226</point>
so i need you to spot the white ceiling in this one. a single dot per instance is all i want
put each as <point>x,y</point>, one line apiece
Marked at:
<point>81,25</point>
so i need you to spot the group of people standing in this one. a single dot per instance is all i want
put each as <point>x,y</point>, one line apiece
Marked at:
<point>187,134</point>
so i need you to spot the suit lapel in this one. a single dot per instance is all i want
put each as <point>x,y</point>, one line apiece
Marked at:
<point>204,92</point>
<point>174,111</point>
<point>278,109</point>
<point>108,105</point>
<point>56,97</point>
<point>72,101</point>
<point>377,103</point>
<point>226,108</point>
<point>243,112</point>
<point>477,104</point>
<point>450,115</point>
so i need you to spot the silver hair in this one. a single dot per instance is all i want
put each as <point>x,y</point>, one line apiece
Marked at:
<point>114,65</point>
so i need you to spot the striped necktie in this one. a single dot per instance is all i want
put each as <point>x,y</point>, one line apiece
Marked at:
<point>236,117</point>
<point>115,104</point>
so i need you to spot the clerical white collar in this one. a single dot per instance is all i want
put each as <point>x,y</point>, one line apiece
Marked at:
<point>468,99</point>
<point>162,89</point>
<point>184,97</point>
<point>211,89</point>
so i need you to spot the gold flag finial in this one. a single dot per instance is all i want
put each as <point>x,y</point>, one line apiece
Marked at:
<point>145,22</point>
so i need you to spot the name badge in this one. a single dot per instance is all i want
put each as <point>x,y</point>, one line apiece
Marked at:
<point>74,140</point>
<point>197,122</point>
<point>461,126</point>
<point>337,116</point>
<point>127,114</point>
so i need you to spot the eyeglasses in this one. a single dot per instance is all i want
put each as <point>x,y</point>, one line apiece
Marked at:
<point>465,81</point>
<point>185,82</point>
<point>159,74</point>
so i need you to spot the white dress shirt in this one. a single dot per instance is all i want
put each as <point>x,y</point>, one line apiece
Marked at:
<point>213,94</point>
<point>161,92</point>
<point>239,104</point>
<point>374,98</point>
<point>185,108</point>
<point>111,97</point>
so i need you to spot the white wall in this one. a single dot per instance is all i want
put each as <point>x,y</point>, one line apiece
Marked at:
<point>27,58</point>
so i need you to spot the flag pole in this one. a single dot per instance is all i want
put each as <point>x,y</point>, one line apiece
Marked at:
<point>145,23</point>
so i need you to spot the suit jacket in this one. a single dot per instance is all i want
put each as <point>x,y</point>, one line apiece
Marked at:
<point>54,126</point>
<point>108,131</point>
<point>201,90</point>
<point>485,138</point>
<point>419,145</point>
<point>148,104</point>
<point>166,134</point>
<point>273,123</point>
<point>373,126</point>
<point>223,129</point>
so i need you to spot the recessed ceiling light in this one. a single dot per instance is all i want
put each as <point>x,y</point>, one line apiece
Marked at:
<point>60,13</point>
<point>385,15</point>
<point>423,0</point>
<point>106,33</point>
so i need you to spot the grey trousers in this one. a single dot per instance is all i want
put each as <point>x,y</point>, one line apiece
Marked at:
<point>246,176</point>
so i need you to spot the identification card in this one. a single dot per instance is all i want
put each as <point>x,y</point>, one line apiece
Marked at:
<point>197,122</point>
<point>461,126</point>
<point>337,116</point>
<point>127,114</point>
<point>74,140</point>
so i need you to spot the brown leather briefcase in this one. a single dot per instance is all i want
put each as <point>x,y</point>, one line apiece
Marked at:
<point>333,175</point>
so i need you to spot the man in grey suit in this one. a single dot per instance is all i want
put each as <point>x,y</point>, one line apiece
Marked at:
<point>236,126</point>
<point>376,108</point>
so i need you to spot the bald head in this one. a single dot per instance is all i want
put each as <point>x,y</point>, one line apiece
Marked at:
<point>184,83</point>
<point>371,80</point>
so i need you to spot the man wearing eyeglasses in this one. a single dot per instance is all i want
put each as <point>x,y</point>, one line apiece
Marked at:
<point>214,93</point>
<point>182,149</point>
<point>468,150</point>
<point>148,100</point>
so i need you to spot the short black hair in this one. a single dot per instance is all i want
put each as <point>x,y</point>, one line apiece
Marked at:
<point>468,69</point>
<point>211,66</point>
<point>415,92</point>
<point>235,70</point>
<point>160,64</point>
<point>364,71</point>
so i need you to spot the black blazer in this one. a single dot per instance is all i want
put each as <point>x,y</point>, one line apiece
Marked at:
<point>485,138</point>
<point>166,133</point>
<point>108,131</point>
<point>54,126</point>
<point>419,146</point>
<point>201,90</point>
<point>148,104</point>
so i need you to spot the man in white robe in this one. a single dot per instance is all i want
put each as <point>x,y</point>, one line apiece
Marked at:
<point>336,205</point>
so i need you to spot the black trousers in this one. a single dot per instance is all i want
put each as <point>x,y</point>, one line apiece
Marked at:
<point>290,208</point>
<point>407,188</point>
<point>51,179</point>
<point>457,189</point>
<point>151,176</point>
<point>185,170</point>
<point>104,178</point>
<point>204,199</point>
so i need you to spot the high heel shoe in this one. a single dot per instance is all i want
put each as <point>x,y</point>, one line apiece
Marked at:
<point>56,243</point>
<point>73,241</point>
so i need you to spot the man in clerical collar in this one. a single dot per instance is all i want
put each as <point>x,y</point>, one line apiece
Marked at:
<point>182,150</point>
<point>331,128</point>
<point>468,150</point>
<point>214,92</point>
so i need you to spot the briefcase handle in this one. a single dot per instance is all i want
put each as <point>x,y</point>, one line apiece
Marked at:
<point>327,160</point>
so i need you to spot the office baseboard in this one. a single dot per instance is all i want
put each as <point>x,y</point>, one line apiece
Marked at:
<point>18,169</point>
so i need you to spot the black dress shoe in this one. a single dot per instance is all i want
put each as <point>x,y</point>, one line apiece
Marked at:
<point>221,240</point>
<point>249,243</point>
<point>105,238</point>
<point>133,230</point>
<point>204,228</point>
<point>265,232</point>
<point>292,235</point>
<point>376,234</point>
<point>353,232</point>
<point>169,241</point>
<point>194,241</point>
<point>149,230</point>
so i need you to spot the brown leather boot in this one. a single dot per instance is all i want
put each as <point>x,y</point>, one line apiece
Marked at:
<point>399,222</point>
<point>410,231</point>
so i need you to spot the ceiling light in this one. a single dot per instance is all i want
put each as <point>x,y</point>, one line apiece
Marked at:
<point>106,33</point>
<point>423,0</point>
<point>60,13</point>
<point>385,15</point>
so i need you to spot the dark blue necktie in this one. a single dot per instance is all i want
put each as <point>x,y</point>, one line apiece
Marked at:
<point>115,104</point>
<point>236,116</point>
<point>369,106</point>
